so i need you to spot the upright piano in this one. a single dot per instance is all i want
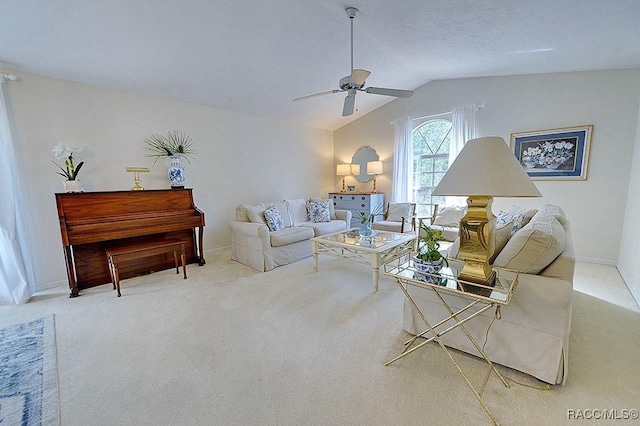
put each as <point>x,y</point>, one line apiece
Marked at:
<point>91,222</point>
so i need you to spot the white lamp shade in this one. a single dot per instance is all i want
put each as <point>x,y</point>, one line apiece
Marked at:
<point>355,169</point>
<point>374,168</point>
<point>343,169</point>
<point>486,167</point>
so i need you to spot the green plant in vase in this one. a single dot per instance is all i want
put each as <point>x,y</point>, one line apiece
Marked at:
<point>174,145</point>
<point>366,220</point>
<point>428,258</point>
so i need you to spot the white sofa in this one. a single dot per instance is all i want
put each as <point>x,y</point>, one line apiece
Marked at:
<point>255,245</point>
<point>533,334</point>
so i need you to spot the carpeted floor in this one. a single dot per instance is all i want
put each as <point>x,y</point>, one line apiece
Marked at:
<point>230,346</point>
<point>28,373</point>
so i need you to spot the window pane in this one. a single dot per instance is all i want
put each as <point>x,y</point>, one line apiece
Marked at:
<point>431,142</point>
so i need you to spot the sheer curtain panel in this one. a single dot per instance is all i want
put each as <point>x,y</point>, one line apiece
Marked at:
<point>463,128</point>
<point>402,160</point>
<point>16,279</point>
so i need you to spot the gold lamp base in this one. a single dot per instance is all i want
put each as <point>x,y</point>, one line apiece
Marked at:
<point>476,240</point>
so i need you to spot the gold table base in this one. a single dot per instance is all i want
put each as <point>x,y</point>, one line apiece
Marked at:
<point>479,305</point>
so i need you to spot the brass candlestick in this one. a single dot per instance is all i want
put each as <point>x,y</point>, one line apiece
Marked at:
<point>136,176</point>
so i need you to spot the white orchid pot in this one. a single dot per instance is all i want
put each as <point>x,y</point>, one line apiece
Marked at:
<point>72,186</point>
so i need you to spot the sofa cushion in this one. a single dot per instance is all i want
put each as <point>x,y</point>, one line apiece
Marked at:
<point>255,213</point>
<point>322,228</point>
<point>533,247</point>
<point>555,211</point>
<point>318,211</point>
<point>332,211</point>
<point>290,235</point>
<point>273,218</point>
<point>284,212</point>
<point>397,211</point>
<point>517,216</point>
<point>297,210</point>
<point>501,236</point>
<point>449,215</point>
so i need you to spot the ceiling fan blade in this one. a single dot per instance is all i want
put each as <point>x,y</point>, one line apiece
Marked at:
<point>349,103</point>
<point>358,77</point>
<point>328,92</point>
<point>389,92</point>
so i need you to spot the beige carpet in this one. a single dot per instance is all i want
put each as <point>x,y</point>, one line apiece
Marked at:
<point>230,346</point>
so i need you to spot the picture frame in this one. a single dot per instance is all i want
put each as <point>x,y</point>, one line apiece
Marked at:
<point>351,188</point>
<point>554,154</point>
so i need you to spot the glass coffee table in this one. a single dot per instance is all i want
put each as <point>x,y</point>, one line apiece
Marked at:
<point>377,250</point>
<point>480,298</point>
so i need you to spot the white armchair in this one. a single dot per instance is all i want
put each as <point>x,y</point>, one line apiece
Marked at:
<point>398,217</point>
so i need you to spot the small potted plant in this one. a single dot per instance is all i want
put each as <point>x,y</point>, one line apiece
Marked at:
<point>174,145</point>
<point>366,220</point>
<point>428,258</point>
<point>65,150</point>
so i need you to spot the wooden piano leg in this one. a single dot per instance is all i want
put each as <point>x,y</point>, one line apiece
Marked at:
<point>71,273</point>
<point>183,257</point>
<point>200,246</point>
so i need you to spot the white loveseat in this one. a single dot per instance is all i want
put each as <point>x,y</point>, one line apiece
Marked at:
<point>533,334</point>
<point>254,244</point>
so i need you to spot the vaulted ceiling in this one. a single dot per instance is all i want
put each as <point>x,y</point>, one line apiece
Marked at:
<point>255,57</point>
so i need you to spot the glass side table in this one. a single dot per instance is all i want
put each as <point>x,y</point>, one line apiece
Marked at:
<point>481,298</point>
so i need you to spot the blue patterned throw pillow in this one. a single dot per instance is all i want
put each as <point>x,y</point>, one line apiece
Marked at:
<point>273,218</point>
<point>318,211</point>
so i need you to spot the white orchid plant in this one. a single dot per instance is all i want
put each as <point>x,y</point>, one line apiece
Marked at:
<point>64,151</point>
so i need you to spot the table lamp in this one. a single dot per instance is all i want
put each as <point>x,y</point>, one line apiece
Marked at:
<point>374,168</point>
<point>343,170</point>
<point>485,168</point>
<point>136,176</point>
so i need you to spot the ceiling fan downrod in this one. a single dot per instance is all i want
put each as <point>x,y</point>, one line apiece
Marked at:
<point>352,12</point>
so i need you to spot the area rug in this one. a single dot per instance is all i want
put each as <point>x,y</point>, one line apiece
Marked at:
<point>28,374</point>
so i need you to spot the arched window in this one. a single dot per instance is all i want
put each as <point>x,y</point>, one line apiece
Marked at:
<point>430,162</point>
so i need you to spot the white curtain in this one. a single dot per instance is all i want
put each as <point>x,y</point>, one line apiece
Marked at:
<point>463,128</point>
<point>401,191</point>
<point>16,277</point>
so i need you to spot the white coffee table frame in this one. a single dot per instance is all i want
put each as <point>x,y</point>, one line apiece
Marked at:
<point>381,249</point>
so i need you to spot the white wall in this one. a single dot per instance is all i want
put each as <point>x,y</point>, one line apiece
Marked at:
<point>241,158</point>
<point>606,99</point>
<point>628,264</point>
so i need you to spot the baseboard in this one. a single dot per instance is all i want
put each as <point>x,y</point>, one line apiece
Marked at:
<point>627,280</point>
<point>598,261</point>
<point>218,250</point>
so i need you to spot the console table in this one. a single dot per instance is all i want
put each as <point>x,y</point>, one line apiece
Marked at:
<point>357,202</point>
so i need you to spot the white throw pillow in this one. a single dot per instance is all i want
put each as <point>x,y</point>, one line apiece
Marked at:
<point>449,215</point>
<point>256,213</point>
<point>555,211</point>
<point>297,211</point>
<point>399,210</point>
<point>533,247</point>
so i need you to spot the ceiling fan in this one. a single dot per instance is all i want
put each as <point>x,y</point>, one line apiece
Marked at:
<point>356,81</point>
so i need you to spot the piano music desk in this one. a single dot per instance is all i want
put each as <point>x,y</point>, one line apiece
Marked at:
<point>138,251</point>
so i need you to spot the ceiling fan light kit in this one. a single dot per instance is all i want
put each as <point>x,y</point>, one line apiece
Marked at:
<point>356,81</point>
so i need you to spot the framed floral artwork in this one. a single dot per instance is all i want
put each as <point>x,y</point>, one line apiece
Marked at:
<point>555,154</point>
